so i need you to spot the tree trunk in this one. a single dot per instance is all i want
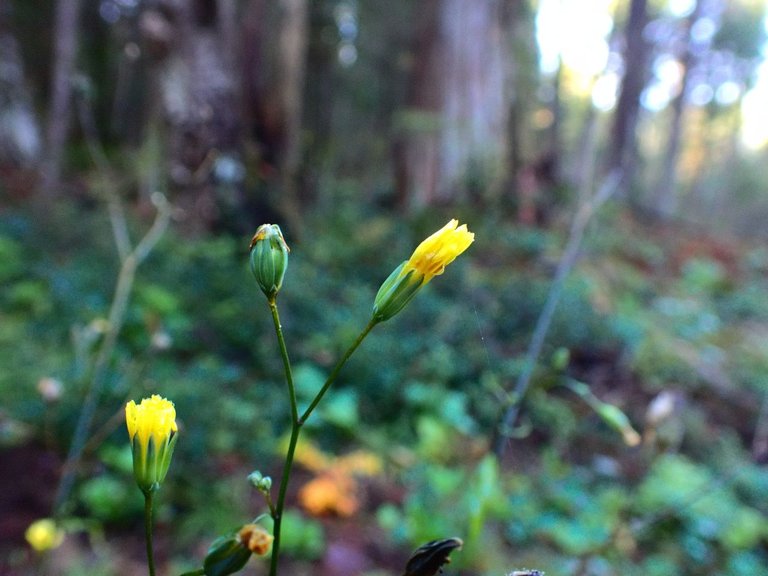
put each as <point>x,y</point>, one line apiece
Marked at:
<point>666,194</point>
<point>623,147</point>
<point>197,80</point>
<point>522,83</point>
<point>454,131</point>
<point>292,57</point>
<point>65,33</point>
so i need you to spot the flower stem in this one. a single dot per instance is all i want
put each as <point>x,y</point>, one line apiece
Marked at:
<point>336,370</point>
<point>286,360</point>
<point>148,531</point>
<point>297,423</point>
<point>277,512</point>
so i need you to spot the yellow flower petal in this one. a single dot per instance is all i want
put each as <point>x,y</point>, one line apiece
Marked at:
<point>153,419</point>
<point>432,256</point>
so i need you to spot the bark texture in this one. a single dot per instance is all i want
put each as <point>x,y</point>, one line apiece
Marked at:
<point>66,33</point>
<point>623,150</point>
<point>454,132</point>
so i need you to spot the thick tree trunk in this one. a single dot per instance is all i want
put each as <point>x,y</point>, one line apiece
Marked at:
<point>623,147</point>
<point>455,131</point>
<point>66,33</point>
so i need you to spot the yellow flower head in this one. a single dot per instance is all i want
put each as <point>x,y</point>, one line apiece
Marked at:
<point>152,431</point>
<point>44,535</point>
<point>428,260</point>
<point>435,253</point>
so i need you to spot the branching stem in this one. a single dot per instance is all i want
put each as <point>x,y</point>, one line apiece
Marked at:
<point>297,422</point>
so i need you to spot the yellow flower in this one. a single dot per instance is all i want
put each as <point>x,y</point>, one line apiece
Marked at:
<point>428,260</point>
<point>152,430</point>
<point>44,535</point>
<point>435,253</point>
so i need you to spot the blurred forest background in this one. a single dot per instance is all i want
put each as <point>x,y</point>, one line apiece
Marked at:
<point>610,157</point>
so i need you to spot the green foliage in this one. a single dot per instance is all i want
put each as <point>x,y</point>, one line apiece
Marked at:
<point>424,390</point>
<point>109,498</point>
<point>445,500</point>
<point>709,510</point>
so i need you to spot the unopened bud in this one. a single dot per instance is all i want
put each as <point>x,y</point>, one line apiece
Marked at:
<point>269,258</point>
<point>260,482</point>
<point>615,418</point>
<point>226,555</point>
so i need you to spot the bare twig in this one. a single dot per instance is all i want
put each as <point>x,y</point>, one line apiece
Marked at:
<point>130,259</point>
<point>99,370</point>
<point>106,181</point>
<point>564,266</point>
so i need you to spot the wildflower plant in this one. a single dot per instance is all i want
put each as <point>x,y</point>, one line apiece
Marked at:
<point>152,424</point>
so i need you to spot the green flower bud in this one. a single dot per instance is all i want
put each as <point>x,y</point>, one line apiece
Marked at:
<point>228,554</point>
<point>617,420</point>
<point>269,258</point>
<point>260,482</point>
<point>396,292</point>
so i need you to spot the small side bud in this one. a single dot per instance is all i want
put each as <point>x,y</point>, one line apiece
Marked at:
<point>262,483</point>
<point>269,258</point>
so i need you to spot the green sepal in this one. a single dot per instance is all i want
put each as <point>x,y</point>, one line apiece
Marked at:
<point>396,291</point>
<point>226,555</point>
<point>151,465</point>
<point>269,258</point>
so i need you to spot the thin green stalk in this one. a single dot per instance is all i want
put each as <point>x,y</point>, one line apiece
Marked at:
<point>277,513</point>
<point>286,360</point>
<point>336,370</point>
<point>277,516</point>
<point>297,423</point>
<point>148,531</point>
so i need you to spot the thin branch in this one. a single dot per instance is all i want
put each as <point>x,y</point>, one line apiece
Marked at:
<point>565,265</point>
<point>130,259</point>
<point>104,170</point>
